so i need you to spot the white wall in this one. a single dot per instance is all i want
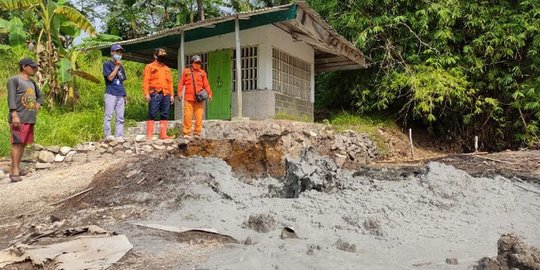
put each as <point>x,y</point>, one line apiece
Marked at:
<point>283,41</point>
<point>266,38</point>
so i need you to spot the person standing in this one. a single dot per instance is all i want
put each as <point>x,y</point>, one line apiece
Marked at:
<point>115,92</point>
<point>158,92</point>
<point>194,79</point>
<point>24,101</point>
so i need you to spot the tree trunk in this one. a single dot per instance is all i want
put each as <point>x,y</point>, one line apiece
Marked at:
<point>200,7</point>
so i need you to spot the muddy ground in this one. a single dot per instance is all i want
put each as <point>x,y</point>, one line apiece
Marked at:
<point>411,217</point>
<point>289,214</point>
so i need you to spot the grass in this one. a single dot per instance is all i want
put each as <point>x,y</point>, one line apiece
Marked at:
<point>369,124</point>
<point>285,116</point>
<point>84,122</point>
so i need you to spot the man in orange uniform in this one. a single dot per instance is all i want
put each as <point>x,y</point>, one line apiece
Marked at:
<point>158,92</point>
<point>194,74</point>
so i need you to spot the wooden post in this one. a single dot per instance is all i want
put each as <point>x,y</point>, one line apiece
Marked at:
<point>411,142</point>
<point>476,144</point>
<point>238,68</point>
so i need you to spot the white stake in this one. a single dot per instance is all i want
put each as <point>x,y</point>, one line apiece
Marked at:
<point>476,144</point>
<point>411,141</point>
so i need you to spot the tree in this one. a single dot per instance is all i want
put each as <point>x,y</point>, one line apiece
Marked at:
<point>200,8</point>
<point>54,27</point>
<point>460,68</point>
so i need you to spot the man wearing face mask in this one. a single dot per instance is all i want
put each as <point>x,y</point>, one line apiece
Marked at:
<point>194,79</point>
<point>158,92</point>
<point>115,93</point>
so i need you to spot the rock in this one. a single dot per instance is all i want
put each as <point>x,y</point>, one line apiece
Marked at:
<point>59,158</point>
<point>120,140</point>
<point>2,174</point>
<point>262,223</point>
<point>513,253</point>
<point>158,142</point>
<point>102,150</point>
<point>159,147</point>
<point>248,241</point>
<point>147,148</point>
<point>104,145</point>
<point>288,233</point>
<point>126,145</point>
<point>93,156</point>
<point>90,147</point>
<point>69,156</point>
<point>30,155</point>
<point>114,143</point>
<point>168,142</point>
<point>80,158</point>
<point>170,148</point>
<point>41,165</point>
<point>46,156</point>
<point>54,149</point>
<point>345,246</point>
<point>80,148</point>
<point>311,172</point>
<point>452,261</point>
<point>38,147</point>
<point>129,152</point>
<point>65,150</point>
<point>340,160</point>
<point>110,149</point>
<point>140,138</point>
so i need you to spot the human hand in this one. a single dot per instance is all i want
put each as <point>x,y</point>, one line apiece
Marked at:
<point>16,122</point>
<point>117,63</point>
<point>172,99</point>
<point>210,99</point>
<point>179,97</point>
<point>125,101</point>
<point>147,97</point>
<point>38,106</point>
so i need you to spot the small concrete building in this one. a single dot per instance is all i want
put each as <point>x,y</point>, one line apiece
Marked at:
<point>280,48</point>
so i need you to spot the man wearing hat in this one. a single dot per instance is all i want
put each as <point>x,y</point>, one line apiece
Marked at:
<point>195,80</point>
<point>158,92</point>
<point>115,92</point>
<point>24,101</point>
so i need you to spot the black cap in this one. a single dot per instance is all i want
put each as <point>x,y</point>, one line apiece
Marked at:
<point>160,52</point>
<point>28,62</point>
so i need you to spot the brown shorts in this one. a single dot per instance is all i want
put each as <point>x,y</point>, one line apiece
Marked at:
<point>24,134</point>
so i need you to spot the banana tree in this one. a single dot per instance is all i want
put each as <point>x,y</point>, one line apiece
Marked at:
<point>58,21</point>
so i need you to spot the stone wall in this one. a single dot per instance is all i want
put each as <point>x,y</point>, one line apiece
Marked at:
<point>293,107</point>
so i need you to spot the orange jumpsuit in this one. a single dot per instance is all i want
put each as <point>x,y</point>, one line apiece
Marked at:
<point>190,105</point>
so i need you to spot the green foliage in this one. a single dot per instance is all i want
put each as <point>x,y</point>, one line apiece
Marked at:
<point>83,122</point>
<point>461,68</point>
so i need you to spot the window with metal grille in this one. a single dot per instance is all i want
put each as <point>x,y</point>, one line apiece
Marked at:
<point>249,63</point>
<point>291,75</point>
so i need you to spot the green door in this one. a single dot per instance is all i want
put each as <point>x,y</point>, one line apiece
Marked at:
<point>220,78</point>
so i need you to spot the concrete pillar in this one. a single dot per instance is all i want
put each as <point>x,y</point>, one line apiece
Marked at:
<point>239,102</point>
<point>179,106</point>
<point>238,68</point>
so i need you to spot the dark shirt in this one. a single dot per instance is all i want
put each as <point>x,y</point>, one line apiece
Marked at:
<point>116,86</point>
<point>22,97</point>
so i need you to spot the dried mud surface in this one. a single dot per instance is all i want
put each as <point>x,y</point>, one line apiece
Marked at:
<point>403,217</point>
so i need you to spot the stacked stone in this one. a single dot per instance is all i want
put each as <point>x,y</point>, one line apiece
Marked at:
<point>47,157</point>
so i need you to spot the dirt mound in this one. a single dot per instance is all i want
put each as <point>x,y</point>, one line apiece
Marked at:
<point>255,158</point>
<point>513,253</point>
<point>311,172</point>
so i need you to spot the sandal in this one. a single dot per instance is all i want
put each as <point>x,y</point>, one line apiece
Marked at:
<point>15,178</point>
